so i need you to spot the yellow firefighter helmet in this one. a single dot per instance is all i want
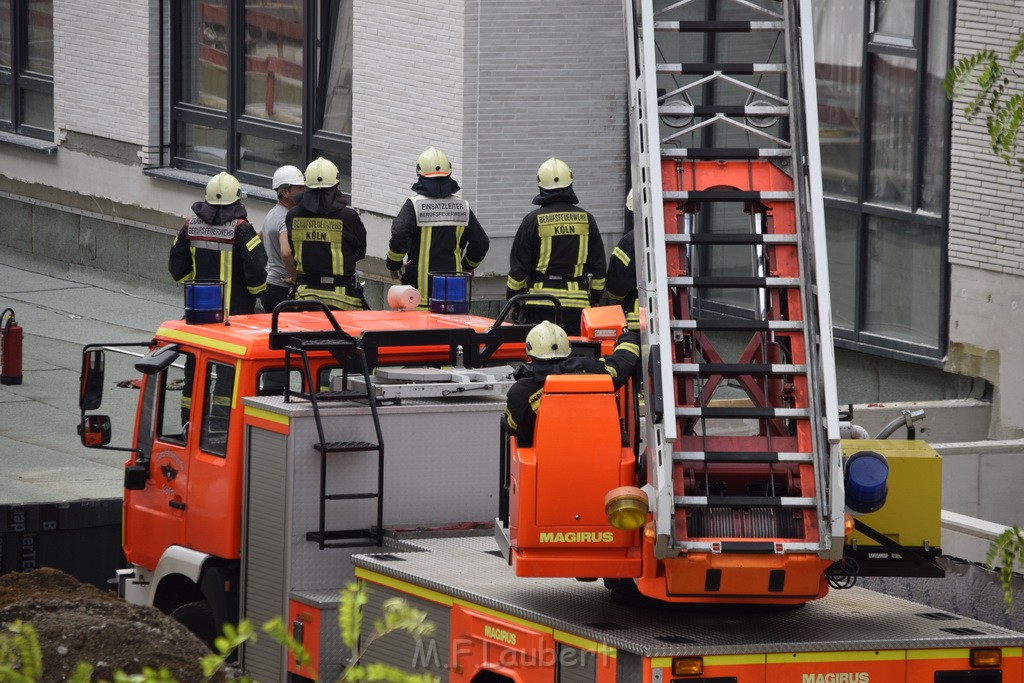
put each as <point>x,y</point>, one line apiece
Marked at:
<point>554,174</point>
<point>547,341</point>
<point>433,163</point>
<point>223,189</point>
<point>321,173</point>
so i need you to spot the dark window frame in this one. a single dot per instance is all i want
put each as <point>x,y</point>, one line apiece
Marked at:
<point>20,80</point>
<point>318,42</point>
<point>862,210</point>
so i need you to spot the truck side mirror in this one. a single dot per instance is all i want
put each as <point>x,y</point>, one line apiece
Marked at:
<point>91,381</point>
<point>94,430</point>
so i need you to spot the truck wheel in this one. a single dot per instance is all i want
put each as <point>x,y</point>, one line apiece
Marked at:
<point>198,618</point>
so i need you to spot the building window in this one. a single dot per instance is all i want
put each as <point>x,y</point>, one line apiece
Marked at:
<point>885,125</point>
<point>261,83</point>
<point>26,67</point>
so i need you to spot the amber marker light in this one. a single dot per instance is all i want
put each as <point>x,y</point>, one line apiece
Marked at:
<point>626,508</point>
<point>687,666</point>
<point>847,524</point>
<point>986,658</point>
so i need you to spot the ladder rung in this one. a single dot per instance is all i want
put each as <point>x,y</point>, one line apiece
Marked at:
<point>345,446</point>
<point>730,238</point>
<point>726,196</point>
<point>752,412</point>
<point>350,496</point>
<point>739,368</point>
<point>347,538</point>
<point>724,109</point>
<point>740,456</point>
<point>737,325</point>
<point>720,546</point>
<point>745,501</point>
<point>700,68</point>
<point>729,281</point>
<point>713,153</point>
<point>719,26</point>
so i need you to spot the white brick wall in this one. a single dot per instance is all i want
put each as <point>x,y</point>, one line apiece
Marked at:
<point>407,95</point>
<point>986,196</point>
<point>500,87</point>
<point>103,68</point>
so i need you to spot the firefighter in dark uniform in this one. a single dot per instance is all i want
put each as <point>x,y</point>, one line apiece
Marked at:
<point>217,242</point>
<point>326,239</point>
<point>621,287</point>
<point>557,249</point>
<point>435,231</point>
<point>548,347</point>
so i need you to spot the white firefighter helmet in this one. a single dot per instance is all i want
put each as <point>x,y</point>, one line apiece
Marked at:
<point>285,176</point>
<point>433,163</point>
<point>547,341</point>
<point>321,173</point>
<point>629,200</point>
<point>223,189</point>
<point>554,174</point>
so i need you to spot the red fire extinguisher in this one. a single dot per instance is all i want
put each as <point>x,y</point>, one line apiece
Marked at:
<point>11,336</point>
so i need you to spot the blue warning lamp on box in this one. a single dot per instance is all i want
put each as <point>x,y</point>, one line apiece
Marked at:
<point>450,292</point>
<point>204,301</point>
<point>866,477</point>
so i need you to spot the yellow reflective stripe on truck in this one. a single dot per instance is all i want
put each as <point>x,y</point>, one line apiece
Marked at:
<point>448,601</point>
<point>404,587</point>
<point>712,660</point>
<point>199,340</point>
<point>838,656</point>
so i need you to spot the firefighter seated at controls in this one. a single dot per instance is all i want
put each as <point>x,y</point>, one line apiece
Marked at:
<point>550,353</point>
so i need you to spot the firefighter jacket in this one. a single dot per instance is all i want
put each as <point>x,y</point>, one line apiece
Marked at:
<point>524,397</point>
<point>437,233</point>
<point>556,247</point>
<point>218,243</point>
<point>622,280</point>
<point>327,240</point>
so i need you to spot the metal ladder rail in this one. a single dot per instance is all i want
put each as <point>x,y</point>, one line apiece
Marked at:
<point>643,98</point>
<point>342,350</point>
<point>660,427</point>
<point>811,220</point>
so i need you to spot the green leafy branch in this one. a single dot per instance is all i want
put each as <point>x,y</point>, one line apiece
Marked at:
<point>396,615</point>
<point>1006,550</point>
<point>997,98</point>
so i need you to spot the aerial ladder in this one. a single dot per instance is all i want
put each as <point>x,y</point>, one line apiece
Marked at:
<point>731,260</point>
<point>741,469</point>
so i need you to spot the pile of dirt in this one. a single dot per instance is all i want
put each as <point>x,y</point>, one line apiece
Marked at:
<point>77,622</point>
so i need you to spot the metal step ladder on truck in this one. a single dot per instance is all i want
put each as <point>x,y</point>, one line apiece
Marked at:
<point>722,524</point>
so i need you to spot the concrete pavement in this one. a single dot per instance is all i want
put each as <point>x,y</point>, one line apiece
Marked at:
<point>60,309</point>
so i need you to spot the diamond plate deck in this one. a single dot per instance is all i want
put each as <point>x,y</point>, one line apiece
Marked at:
<point>472,570</point>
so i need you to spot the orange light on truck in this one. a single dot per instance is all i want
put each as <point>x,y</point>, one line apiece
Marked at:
<point>687,666</point>
<point>986,658</point>
<point>626,508</point>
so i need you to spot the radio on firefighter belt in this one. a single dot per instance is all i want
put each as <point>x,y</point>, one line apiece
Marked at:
<point>11,336</point>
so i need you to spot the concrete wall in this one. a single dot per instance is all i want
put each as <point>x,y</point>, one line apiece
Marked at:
<point>982,479</point>
<point>986,245</point>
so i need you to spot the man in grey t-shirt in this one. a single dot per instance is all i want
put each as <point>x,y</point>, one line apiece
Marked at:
<point>289,183</point>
